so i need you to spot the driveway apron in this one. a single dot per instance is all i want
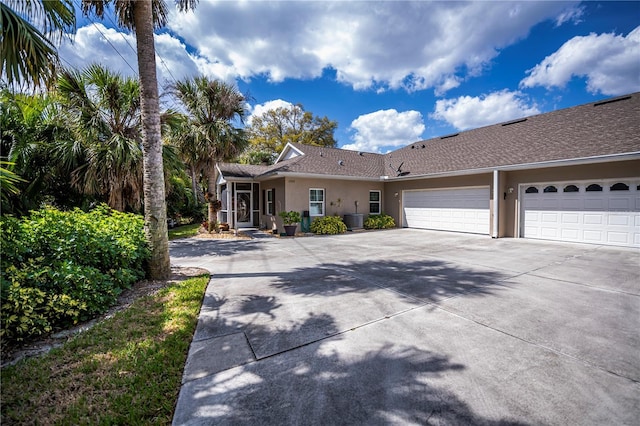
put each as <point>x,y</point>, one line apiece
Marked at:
<point>412,327</point>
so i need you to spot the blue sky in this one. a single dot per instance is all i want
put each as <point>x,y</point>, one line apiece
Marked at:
<point>391,73</point>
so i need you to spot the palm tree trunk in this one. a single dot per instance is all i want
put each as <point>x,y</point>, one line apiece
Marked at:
<point>155,208</point>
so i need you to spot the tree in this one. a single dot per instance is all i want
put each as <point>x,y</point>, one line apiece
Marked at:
<point>143,17</point>
<point>209,136</point>
<point>28,129</point>
<point>28,53</point>
<point>270,132</point>
<point>103,112</point>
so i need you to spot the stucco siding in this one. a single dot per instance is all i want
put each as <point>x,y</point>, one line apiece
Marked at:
<point>393,190</point>
<point>614,170</point>
<point>339,195</point>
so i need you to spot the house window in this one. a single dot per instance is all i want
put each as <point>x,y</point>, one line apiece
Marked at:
<point>551,188</point>
<point>531,190</point>
<point>316,202</point>
<point>269,202</point>
<point>594,187</point>
<point>571,188</point>
<point>374,202</point>
<point>619,187</point>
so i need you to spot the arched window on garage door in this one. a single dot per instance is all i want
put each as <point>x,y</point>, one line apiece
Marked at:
<point>551,188</point>
<point>594,187</point>
<point>619,187</point>
<point>531,190</point>
<point>571,188</point>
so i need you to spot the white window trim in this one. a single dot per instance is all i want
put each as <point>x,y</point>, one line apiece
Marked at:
<point>379,201</point>
<point>270,204</point>
<point>316,202</point>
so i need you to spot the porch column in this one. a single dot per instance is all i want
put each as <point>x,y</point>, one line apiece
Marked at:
<point>496,203</point>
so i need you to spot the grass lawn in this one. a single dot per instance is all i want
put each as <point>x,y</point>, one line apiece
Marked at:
<point>125,370</point>
<point>184,231</point>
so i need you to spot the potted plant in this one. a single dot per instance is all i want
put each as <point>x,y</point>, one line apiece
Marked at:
<point>291,220</point>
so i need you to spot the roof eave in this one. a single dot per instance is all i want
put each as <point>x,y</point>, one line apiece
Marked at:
<point>269,176</point>
<point>526,166</point>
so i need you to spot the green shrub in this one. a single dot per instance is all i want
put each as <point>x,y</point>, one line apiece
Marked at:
<point>291,217</point>
<point>328,225</point>
<point>379,221</point>
<point>64,267</point>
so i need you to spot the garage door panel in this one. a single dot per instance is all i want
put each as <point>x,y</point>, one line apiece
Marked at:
<point>570,234</point>
<point>461,210</point>
<point>601,217</point>
<point>595,204</point>
<point>618,237</point>
<point>570,218</point>
<point>619,203</point>
<point>594,218</point>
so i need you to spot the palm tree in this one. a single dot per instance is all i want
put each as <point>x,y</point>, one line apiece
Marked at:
<point>142,17</point>
<point>210,137</point>
<point>103,110</point>
<point>28,52</point>
<point>28,128</point>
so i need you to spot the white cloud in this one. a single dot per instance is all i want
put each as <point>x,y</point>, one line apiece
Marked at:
<point>571,14</point>
<point>98,44</point>
<point>380,45</point>
<point>116,49</point>
<point>610,63</point>
<point>260,109</point>
<point>468,112</point>
<point>385,129</point>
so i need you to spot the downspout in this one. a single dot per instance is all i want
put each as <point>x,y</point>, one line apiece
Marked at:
<point>496,204</point>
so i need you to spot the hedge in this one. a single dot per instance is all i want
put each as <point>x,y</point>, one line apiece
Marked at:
<point>60,268</point>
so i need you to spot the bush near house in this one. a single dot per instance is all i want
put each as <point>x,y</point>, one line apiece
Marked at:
<point>59,268</point>
<point>328,225</point>
<point>379,221</point>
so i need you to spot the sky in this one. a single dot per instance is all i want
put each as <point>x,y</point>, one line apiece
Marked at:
<point>390,73</point>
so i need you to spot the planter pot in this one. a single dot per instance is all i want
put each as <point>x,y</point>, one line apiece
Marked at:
<point>291,230</point>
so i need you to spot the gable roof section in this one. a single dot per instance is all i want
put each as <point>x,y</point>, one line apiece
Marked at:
<point>598,129</point>
<point>241,170</point>
<point>319,160</point>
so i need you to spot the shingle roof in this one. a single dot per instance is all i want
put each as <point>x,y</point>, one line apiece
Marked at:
<point>241,170</point>
<point>332,161</point>
<point>591,130</point>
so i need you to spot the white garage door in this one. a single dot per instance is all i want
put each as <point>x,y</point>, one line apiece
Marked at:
<point>461,210</point>
<point>587,212</point>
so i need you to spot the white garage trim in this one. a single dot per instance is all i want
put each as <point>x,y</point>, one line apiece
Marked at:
<point>451,209</point>
<point>606,216</point>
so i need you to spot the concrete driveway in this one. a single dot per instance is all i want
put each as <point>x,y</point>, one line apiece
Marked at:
<point>412,327</point>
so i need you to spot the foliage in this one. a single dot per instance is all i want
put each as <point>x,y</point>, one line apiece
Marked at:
<point>207,135</point>
<point>102,109</point>
<point>379,221</point>
<point>30,127</point>
<point>125,370</point>
<point>328,225</point>
<point>291,217</point>
<point>184,231</point>
<point>29,31</point>
<point>59,268</point>
<point>270,132</point>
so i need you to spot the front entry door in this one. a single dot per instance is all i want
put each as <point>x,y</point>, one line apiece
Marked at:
<point>244,218</point>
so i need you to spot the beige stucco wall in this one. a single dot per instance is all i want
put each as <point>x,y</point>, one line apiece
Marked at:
<point>602,171</point>
<point>269,221</point>
<point>393,190</point>
<point>292,193</point>
<point>508,201</point>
